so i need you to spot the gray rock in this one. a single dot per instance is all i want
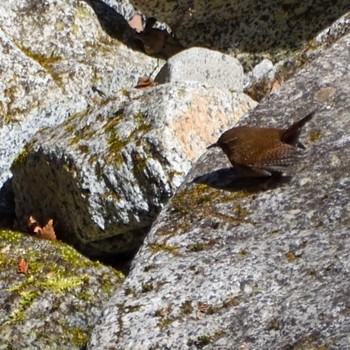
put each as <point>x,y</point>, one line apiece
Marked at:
<point>249,29</point>
<point>55,60</point>
<point>104,174</point>
<point>206,66</point>
<point>54,305</point>
<point>265,70</point>
<point>240,264</point>
<point>259,82</point>
<point>123,7</point>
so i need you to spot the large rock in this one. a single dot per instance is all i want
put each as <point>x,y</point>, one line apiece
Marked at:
<point>207,66</point>
<point>235,264</point>
<point>244,25</point>
<point>104,175</point>
<point>55,60</point>
<point>50,295</point>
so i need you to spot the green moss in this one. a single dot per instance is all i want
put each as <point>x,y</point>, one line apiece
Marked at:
<point>232,302</point>
<point>292,256</point>
<point>59,284</point>
<point>114,142</point>
<point>21,157</point>
<point>198,247</point>
<point>129,291</point>
<point>204,340</point>
<point>46,61</point>
<point>43,60</point>
<point>81,12</point>
<point>164,248</point>
<point>125,92</point>
<point>22,286</point>
<point>186,307</point>
<point>315,135</point>
<point>85,296</point>
<point>165,322</point>
<point>198,202</point>
<point>163,315</point>
<point>147,287</point>
<point>240,212</point>
<point>7,236</point>
<point>84,148</point>
<point>73,257</point>
<point>186,201</point>
<point>133,308</point>
<point>27,298</point>
<point>78,336</point>
<point>107,286</point>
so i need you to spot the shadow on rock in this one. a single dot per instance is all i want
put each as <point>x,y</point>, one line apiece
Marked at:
<point>7,205</point>
<point>227,179</point>
<point>154,42</point>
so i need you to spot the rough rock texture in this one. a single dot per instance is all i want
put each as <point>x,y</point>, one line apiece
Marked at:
<point>207,66</point>
<point>248,28</point>
<point>55,60</point>
<point>235,264</point>
<point>54,305</point>
<point>123,7</point>
<point>104,175</point>
<point>259,82</point>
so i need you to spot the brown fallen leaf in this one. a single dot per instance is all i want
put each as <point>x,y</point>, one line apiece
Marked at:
<point>23,266</point>
<point>276,85</point>
<point>145,82</point>
<point>46,232</point>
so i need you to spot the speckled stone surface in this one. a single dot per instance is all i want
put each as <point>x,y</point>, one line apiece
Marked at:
<point>206,66</point>
<point>105,174</point>
<point>55,60</point>
<point>249,29</point>
<point>231,264</point>
<point>54,305</point>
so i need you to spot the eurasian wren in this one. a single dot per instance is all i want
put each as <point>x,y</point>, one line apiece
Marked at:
<point>260,152</point>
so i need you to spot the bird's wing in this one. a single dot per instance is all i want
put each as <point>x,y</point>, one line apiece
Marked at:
<point>278,157</point>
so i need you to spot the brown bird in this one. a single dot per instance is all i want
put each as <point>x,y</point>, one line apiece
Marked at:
<point>261,152</point>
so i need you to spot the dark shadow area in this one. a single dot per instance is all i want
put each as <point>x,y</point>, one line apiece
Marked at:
<point>152,41</point>
<point>113,23</point>
<point>121,262</point>
<point>227,179</point>
<point>7,205</point>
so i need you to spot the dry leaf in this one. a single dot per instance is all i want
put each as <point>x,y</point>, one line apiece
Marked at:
<point>276,85</point>
<point>22,266</point>
<point>46,232</point>
<point>145,82</point>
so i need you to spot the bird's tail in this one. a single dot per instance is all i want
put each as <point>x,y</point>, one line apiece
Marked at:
<point>291,135</point>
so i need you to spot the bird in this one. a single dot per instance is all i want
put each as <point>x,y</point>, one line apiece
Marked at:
<point>263,151</point>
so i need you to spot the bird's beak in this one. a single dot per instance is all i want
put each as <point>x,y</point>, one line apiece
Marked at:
<point>213,145</point>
